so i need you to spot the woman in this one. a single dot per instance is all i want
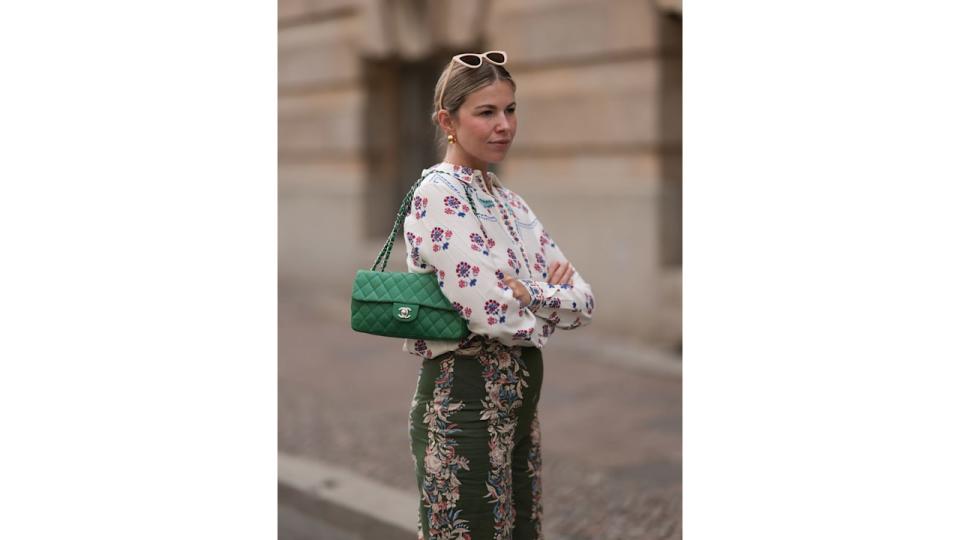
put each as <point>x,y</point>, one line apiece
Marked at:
<point>474,430</point>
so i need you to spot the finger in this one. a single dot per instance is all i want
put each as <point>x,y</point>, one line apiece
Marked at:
<point>519,292</point>
<point>557,274</point>
<point>568,275</point>
<point>551,271</point>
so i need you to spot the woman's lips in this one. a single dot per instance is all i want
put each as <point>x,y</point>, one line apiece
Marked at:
<point>503,144</point>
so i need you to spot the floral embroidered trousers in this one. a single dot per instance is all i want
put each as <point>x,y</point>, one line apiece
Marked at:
<point>475,439</point>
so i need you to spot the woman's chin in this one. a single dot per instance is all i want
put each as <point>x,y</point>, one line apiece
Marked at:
<point>497,157</point>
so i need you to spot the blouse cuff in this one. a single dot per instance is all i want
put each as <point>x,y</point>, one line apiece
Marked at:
<point>536,295</point>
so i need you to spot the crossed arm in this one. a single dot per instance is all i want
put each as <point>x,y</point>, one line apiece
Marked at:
<point>557,274</point>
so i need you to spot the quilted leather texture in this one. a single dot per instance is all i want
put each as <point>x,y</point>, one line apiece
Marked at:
<point>372,306</point>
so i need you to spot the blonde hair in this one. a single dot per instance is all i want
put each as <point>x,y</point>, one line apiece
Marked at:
<point>461,81</point>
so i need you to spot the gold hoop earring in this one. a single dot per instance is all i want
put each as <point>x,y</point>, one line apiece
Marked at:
<point>451,139</point>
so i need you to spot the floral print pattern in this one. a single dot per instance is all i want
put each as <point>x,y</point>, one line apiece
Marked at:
<point>524,334</point>
<point>421,347</point>
<point>420,206</point>
<point>496,310</point>
<point>440,489</point>
<point>413,250</point>
<point>441,238</point>
<point>513,262</point>
<point>510,224</point>
<point>534,468</point>
<point>464,312</point>
<point>477,243</point>
<point>548,328</point>
<point>545,240</point>
<point>455,206</point>
<point>467,273</point>
<point>472,254</point>
<point>504,376</point>
<point>540,266</point>
<point>476,444</point>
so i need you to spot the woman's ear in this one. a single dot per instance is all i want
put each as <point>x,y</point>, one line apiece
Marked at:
<point>445,120</point>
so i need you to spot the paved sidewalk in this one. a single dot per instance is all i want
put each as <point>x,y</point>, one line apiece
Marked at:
<point>611,423</point>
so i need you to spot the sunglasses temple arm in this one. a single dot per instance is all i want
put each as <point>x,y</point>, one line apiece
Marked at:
<point>443,88</point>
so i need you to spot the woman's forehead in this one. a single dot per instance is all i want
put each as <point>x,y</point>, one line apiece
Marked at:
<point>498,94</point>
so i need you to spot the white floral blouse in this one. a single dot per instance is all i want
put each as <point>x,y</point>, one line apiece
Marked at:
<point>472,254</point>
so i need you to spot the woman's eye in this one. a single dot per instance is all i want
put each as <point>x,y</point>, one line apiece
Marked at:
<point>489,112</point>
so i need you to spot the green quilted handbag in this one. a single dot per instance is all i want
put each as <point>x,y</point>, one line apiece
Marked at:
<point>403,304</point>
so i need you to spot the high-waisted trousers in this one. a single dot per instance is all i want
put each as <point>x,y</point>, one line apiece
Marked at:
<point>475,439</point>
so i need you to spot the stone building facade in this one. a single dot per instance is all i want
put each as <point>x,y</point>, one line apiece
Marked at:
<point>597,154</point>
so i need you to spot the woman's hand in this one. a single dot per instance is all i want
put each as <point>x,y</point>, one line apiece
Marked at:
<point>519,291</point>
<point>557,274</point>
<point>560,273</point>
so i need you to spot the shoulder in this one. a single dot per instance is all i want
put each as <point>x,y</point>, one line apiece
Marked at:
<point>437,183</point>
<point>439,197</point>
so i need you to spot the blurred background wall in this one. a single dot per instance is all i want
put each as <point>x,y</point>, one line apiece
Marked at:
<point>597,154</point>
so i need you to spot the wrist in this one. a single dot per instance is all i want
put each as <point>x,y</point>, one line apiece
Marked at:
<point>535,293</point>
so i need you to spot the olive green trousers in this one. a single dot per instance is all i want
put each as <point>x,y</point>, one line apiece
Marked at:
<point>475,439</point>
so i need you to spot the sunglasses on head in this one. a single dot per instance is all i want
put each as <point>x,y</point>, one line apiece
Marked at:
<point>472,60</point>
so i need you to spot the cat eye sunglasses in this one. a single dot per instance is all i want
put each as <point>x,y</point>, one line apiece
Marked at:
<point>472,60</point>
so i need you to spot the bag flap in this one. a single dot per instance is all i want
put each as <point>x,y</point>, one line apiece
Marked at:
<point>404,287</point>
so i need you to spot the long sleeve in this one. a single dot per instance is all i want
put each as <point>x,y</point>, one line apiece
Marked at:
<point>443,234</point>
<point>566,306</point>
